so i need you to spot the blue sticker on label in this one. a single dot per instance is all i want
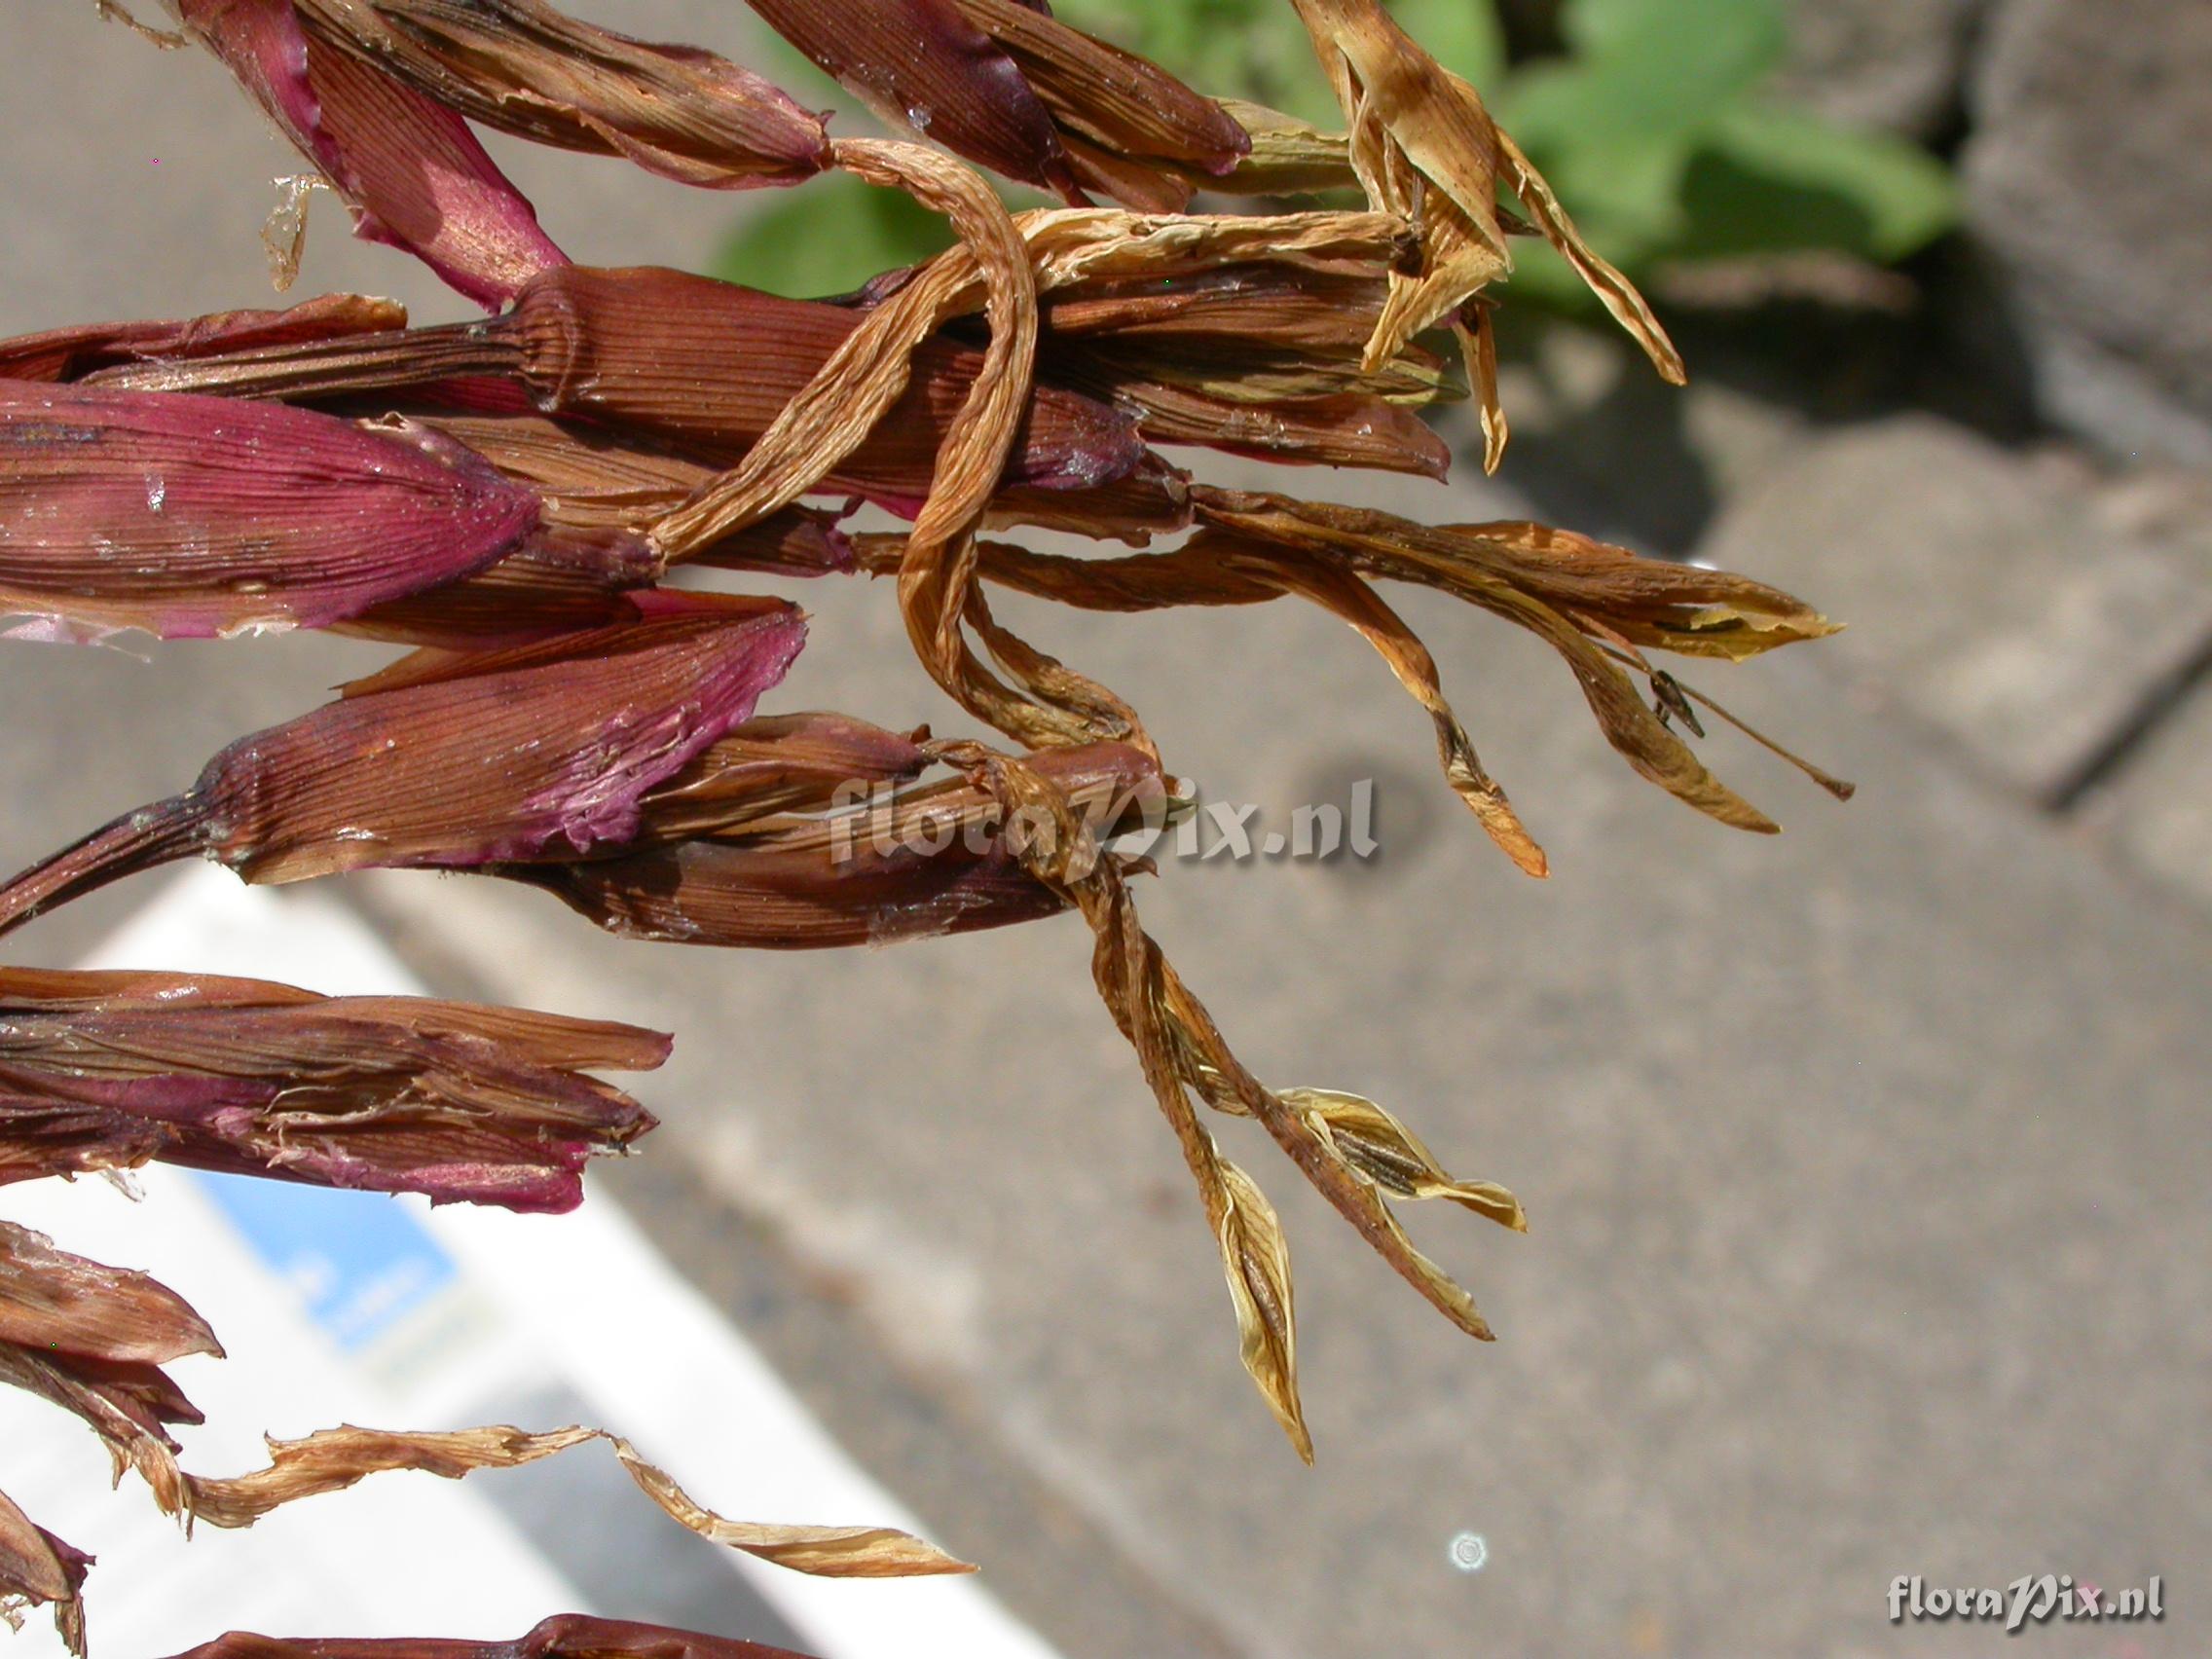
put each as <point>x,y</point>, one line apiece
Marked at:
<point>359,1261</point>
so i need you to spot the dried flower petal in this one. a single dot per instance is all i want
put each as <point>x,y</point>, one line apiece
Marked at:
<point>1257,1258</point>
<point>924,65</point>
<point>524,68</point>
<point>409,167</point>
<point>1213,569</point>
<point>1183,1052</point>
<point>1123,120</point>
<point>110,1071</point>
<point>928,862</point>
<point>65,1307</point>
<point>1581,596</point>
<point>79,1336</point>
<point>335,1459</point>
<point>38,1569</point>
<point>1391,1155</point>
<point>565,1636</point>
<point>196,516</point>
<point>458,761</point>
<point>91,1340</point>
<point>825,1552</point>
<point>1423,146</point>
<point>71,354</point>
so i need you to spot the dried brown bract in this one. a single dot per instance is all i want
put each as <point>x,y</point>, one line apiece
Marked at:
<point>38,1569</point>
<point>454,759</point>
<point>565,1635</point>
<point>571,723</point>
<point>1008,85</point>
<point>458,1102</point>
<point>893,864</point>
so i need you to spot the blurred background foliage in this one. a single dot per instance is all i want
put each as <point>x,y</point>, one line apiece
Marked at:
<point>1652,118</point>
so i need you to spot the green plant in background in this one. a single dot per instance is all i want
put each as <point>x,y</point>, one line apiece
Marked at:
<point>1258,49</point>
<point>1655,126</point>
<point>1655,122</point>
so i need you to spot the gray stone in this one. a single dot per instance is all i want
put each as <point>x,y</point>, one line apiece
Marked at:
<point>2160,807</point>
<point>1995,597</point>
<point>1888,64</point>
<point>2085,182</point>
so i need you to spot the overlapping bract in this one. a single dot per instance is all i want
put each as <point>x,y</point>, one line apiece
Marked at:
<point>573,725</point>
<point>111,1071</point>
<point>565,1635</point>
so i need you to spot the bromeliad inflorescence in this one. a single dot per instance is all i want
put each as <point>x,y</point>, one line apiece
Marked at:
<point>507,496</point>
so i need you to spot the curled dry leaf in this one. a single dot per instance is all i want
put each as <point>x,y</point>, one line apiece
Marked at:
<point>826,1552</point>
<point>109,1071</point>
<point>936,571</point>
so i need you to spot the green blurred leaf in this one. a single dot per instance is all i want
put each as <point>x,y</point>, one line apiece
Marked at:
<point>1647,72</point>
<point>828,236</point>
<point>1741,29</point>
<point>1773,180</point>
<point>1652,132</point>
<point>1463,35</point>
<point>1246,48</point>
